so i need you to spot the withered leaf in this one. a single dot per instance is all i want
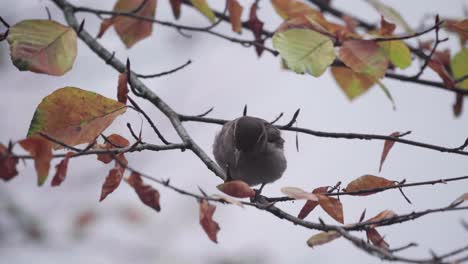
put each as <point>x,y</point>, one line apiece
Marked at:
<point>7,164</point>
<point>41,151</point>
<point>376,239</point>
<point>147,194</point>
<point>122,88</point>
<point>61,170</point>
<point>322,238</point>
<point>257,27</point>
<point>206,220</point>
<point>332,206</point>
<point>237,189</point>
<point>235,12</point>
<point>111,183</point>
<point>298,194</point>
<point>388,145</point>
<point>309,206</point>
<point>367,182</point>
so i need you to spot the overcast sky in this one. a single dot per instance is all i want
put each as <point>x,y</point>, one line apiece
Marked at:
<point>227,76</point>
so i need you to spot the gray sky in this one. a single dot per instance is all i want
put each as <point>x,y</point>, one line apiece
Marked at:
<point>226,76</point>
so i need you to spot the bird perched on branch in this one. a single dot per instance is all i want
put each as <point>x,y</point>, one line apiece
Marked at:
<point>250,149</point>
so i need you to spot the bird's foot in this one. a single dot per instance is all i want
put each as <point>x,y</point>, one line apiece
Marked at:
<point>257,193</point>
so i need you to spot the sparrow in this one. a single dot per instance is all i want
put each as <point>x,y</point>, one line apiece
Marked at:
<point>250,149</point>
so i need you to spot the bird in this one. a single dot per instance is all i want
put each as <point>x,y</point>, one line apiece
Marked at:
<point>250,149</point>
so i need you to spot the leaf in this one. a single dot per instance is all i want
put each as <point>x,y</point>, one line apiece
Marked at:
<point>388,145</point>
<point>122,88</point>
<point>364,56</point>
<point>309,206</point>
<point>352,83</point>
<point>322,238</point>
<point>367,182</point>
<point>397,52</point>
<point>175,6</point>
<point>288,9</point>
<point>41,151</point>
<point>237,189</point>
<point>42,46</point>
<point>387,93</point>
<point>386,214</point>
<point>332,206</point>
<point>305,50</point>
<point>147,194</point>
<point>206,220</point>
<point>376,238</point>
<point>7,164</point>
<point>437,66</point>
<point>256,26</point>
<point>459,200</point>
<point>116,140</point>
<point>74,116</point>
<point>111,183</point>
<point>459,27</point>
<point>459,66</point>
<point>386,28</point>
<point>228,199</point>
<point>105,25</point>
<point>61,170</point>
<point>391,14</point>
<point>204,8</point>
<point>235,13</point>
<point>131,30</point>
<point>298,194</point>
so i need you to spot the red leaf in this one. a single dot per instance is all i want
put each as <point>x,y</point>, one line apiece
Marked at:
<point>309,206</point>
<point>332,206</point>
<point>376,238</point>
<point>61,170</point>
<point>367,182</point>
<point>111,183</point>
<point>206,220</point>
<point>105,25</point>
<point>7,164</point>
<point>147,194</point>
<point>122,88</point>
<point>41,151</point>
<point>235,12</point>
<point>388,145</point>
<point>437,66</point>
<point>257,27</point>
<point>386,28</point>
<point>175,6</point>
<point>116,140</point>
<point>237,189</point>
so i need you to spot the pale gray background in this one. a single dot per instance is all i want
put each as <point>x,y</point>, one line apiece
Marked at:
<point>227,76</point>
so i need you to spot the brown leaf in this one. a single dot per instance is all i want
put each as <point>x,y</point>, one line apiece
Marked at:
<point>7,164</point>
<point>111,183</point>
<point>459,200</point>
<point>388,145</point>
<point>309,206</point>
<point>459,27</point>
<point>228,199</point>
<point>61,170</point>
<point>41,151</point>
<point>364,56</point>
<point>235,13</point>
<point>376,238</point>
<point>322,238</point>
<point>367,182</point>
<point>352,83</point>
<point>257,27</point>
<point>175,6</point>
<point>122,88</point>
<point>105,25</point>
<point>298,194</point>
<point>332,206</point>
<point>386,28</point>
<point>206,220</point>
<point>437,66</point>
<point>147,194</point>
<point>117,141</point>
<point>237,189</point>
<point>386,214</point>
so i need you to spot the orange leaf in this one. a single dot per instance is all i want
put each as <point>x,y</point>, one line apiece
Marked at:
<point>322,238</point>
<point>437,66</point>
<point>41,151</point>
<point>388,145</point>
<point>364,56</point>
<point>257,27</point>
<point>309,206</point>
<point>386,28</point>
<point>111,183</point>
<point>298,194</point>
<point>376,238</point>
<point>116,140</point>
<point>105,25</point>
<point>206,220</point>
<point>386,214</point>
<point>352,83</point>
<point>175,6</point>
<point>7,164</point>
<point>367,182</point>
<point>235,12</point>
<point>122,88</point>
<point>61,170</point>
<point>131,30</point>
<point>332,206</point>
<point>237,189</point>
<point>147,194</point>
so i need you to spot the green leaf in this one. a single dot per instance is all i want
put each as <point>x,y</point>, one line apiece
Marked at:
<point>397,52</point>
<point>459,67</point>
<point>204,8</point>
<point>391,14</point>
<point>42,46</point>
<point>74,116</point>
<point>305,50</point>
